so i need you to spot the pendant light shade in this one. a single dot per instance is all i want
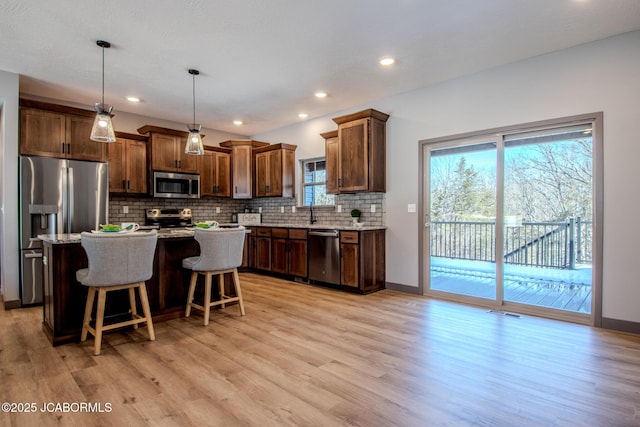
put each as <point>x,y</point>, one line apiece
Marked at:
<point>194,140</point>
<point>102,130</point>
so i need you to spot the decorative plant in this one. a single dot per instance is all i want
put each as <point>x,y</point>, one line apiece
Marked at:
<point>355,213</point>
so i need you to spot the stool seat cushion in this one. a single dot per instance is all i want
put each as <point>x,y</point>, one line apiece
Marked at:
<point>190,262</point>
<point>82,274</point>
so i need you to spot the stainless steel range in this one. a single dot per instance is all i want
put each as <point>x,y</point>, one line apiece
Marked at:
<point>169,217</point>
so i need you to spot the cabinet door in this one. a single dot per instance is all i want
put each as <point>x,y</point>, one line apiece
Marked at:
<point>242,172</point>
<point>279,258</point>
<point>298,258</point>
<point>163,152</point>
<point>349,265</point>
<point>136,166</point>
<point>274,173</point>
<point>187,162</point>
<point>331,152</point>
<point>223,175</point>
<point>117,170</point>
<point>262,174</point>
<point>207,172</point>
<point>263,253</point>
<point>78,133</point>
<point>42,133</point>
<point>353,156</point>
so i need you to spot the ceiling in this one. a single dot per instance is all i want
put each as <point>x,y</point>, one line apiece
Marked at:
<point>261,61</point>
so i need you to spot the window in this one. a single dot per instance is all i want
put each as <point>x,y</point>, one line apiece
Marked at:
<point>314,183</point>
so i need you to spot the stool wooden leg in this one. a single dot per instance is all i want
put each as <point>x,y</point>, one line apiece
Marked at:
<point>236,282</point>
<point>221,286</point>
<point>207,297</point>
<point>142,288</point>
<point>87,313</point>
<point>102,296</point>
<point>132,303</point>
<point>192,289</point>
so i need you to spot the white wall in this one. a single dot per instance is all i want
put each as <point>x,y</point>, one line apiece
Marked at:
<point>599,76</point>
<point>9,269</point>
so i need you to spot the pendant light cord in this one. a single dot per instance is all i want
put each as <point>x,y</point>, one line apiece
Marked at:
<point>194,97</point>
<point>103,75</point>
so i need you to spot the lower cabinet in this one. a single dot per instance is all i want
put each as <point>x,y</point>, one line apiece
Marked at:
<point>281,250</point>
<point>362,260</point>
<point>284,251</point>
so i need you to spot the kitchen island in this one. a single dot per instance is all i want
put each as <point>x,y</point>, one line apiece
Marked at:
<point>65,297</point>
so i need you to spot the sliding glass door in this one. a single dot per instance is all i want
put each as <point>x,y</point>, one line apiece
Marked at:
<point>548,218</point>
<point>461,218</point>
<point>509,220</point>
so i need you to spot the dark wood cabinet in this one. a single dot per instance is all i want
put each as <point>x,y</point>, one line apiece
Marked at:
<point>128,164</point>
<point>280,250</point>
<point>356,161</point>
<point>263,248</point>
<point>362,260</point>
<point>242,166</point>
<point>215,172</point>
<point>298,259</point>
<point>275,171</point>
<point>50,130</point>
<point>167,150</point>
<point>331,160</point>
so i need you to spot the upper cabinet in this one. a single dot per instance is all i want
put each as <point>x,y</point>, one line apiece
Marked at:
<point>242,166</point>
<point>57,131</point>
<point>215,172</point>
<point>275,171</point>
<point>331,157</point>
<point>128,164</point>
<point>167,150</point>
<point>356,159</point>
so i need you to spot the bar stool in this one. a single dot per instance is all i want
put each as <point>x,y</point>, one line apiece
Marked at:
<point>220,253</point>
<point>116,261</point>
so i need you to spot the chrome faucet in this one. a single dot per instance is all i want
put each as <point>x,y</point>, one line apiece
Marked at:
<point>312,220</point>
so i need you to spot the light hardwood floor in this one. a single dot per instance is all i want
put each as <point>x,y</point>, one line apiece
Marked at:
<point>309,356</point>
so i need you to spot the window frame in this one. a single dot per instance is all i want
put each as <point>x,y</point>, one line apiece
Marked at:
<point>304,184</point>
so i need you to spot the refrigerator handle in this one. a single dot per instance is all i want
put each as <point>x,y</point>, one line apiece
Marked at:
<point>70,186</point>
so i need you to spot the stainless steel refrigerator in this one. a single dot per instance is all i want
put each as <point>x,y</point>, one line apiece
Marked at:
<point>56,196</point>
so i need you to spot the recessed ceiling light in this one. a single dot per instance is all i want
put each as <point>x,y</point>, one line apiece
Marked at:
<point>387,61</point>
<point>321,94</point>
<point>133,99</point>
<point>237,122</point>
<point>303,115</point>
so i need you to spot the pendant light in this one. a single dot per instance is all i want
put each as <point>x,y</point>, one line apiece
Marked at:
<point>102,130</point>
<point>194,140</point>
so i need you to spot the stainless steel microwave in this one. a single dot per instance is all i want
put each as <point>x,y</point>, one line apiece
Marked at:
<point>176,185</point>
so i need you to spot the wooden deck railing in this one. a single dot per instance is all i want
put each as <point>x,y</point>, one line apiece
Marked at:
<point>541,244</point>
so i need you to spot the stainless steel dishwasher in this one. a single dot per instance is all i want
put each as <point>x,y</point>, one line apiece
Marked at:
<point>324,256</point>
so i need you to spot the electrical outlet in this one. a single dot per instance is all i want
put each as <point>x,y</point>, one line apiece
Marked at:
<point>125,209</point>
<point>339,208</point>
<point>411,208</point>
<point>260,210</point>
<point>281,209</point>
<point>293,209</point>
<point>373,208</point>
<point>217,209</point>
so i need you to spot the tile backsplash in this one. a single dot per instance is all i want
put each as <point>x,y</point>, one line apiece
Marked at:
<point>271,207</point>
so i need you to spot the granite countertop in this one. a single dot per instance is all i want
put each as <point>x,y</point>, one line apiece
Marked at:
<point>68,238</point>
<point>322,226</point>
